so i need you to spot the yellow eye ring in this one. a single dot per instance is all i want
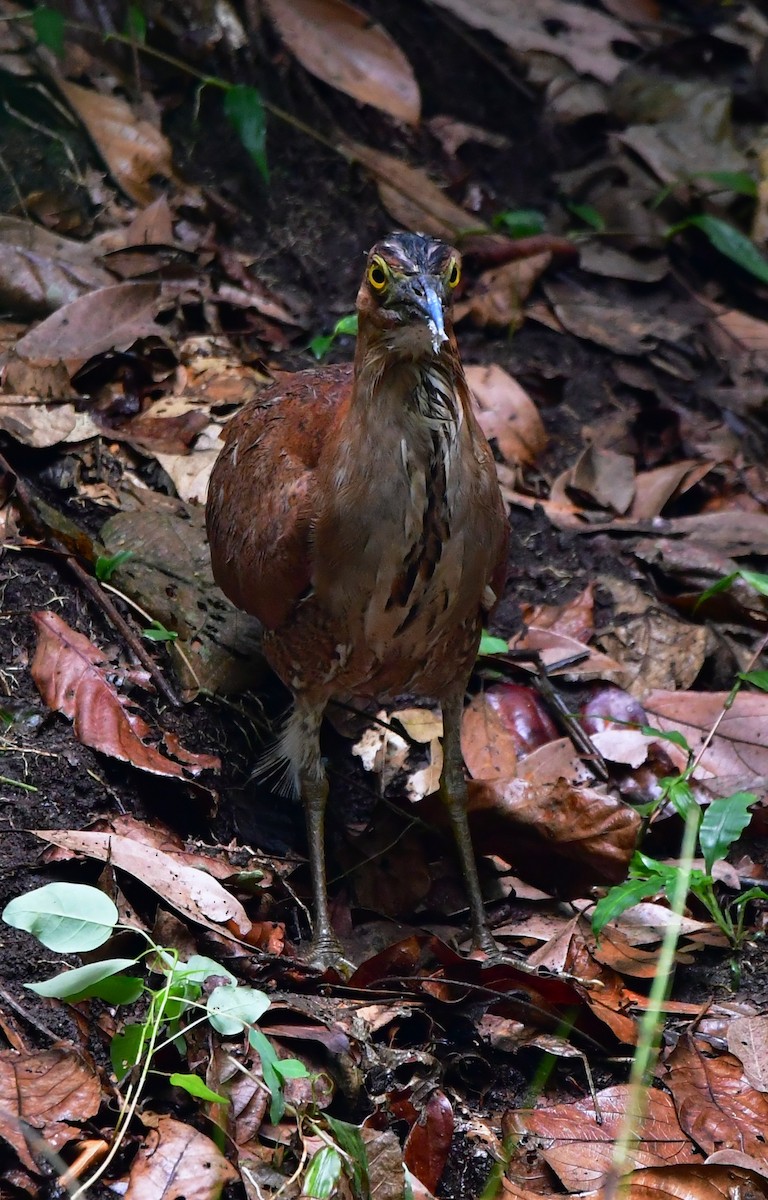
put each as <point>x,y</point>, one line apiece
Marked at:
<point>454,274</point>
<point>378,275</point>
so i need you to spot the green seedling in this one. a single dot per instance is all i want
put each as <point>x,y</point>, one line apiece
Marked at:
<point>321,344</point>
<point>158,633</point>
<point>520,222</point>
<point>106,564</point>
<point>72,918</point>
<point>727,240</point>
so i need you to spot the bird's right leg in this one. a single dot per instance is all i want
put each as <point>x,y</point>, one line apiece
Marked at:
<point>302,747</point>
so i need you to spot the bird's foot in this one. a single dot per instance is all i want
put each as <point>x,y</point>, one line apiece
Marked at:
<point>326,954</point>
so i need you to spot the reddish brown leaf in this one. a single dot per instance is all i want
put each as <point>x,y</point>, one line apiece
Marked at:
<point>429,1140</point>
<point>501,724</point>
<point>580,1150</point>
<point>46,1089</point>
<point>72,676</point>
<point>344,47</point>
<point>507,414</point>
<point>718,1106</point>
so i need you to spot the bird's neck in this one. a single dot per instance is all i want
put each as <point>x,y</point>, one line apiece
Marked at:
<point>425,393</point>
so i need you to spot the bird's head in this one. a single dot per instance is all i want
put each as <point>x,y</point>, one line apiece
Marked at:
<point>406,295</point>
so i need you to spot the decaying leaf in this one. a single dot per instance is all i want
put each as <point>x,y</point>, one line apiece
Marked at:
<point>717,1105</point>
<point>49,1090</point>
<point>748,1041</point>
<point>73,677</point>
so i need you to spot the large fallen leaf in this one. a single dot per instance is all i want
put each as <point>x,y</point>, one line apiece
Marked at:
<point>176,1162</point>
<point>74,677</point>
<point>133,149</point>
<point>40,271</point>
<point>411,197</point>
<point>500,725</point>
<point>717,1105</point>
<point>748,1040</point>
<point>507,414</point>
<point>41,425</point>
<point>583,37</point>
<point>111,318</point>
<point>558,837</point>
<point>698,1181</point>
<point>738,753</point>
<point>45,1089</point>
<point>580,1150</point>
<point>344,47</point>
<point>189,890</point>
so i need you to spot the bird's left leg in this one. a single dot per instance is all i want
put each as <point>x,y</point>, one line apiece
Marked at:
<point>453,793</point>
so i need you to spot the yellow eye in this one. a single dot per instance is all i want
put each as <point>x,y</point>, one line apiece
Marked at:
<point>377,275</point>
<point>454,274</point>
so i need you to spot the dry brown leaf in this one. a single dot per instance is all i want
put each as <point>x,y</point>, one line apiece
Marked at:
<point>507,414</point>
<point>501,724</point>
<point>73,677</point>
<point>605,478</point>
<point>111,318</point>
<point>563,837</point>
<point>748,1040</point>
<point>42,425</point>
<point>699,1181</point>
<point>583,37</point>
<point>498,295</point>
<point>653,489</point>
<point>40,271</point>
<point>580,1150</point>
<point>46,1089</point>
<point>553,647</point>
<point>738,754</point>
<point>191,891</point>
<point>410,196</point>
<point>133,149</point>
<point>176,1162</point>
<point>574,619</point>
<point>342,46</point>
<point>717,1105</point>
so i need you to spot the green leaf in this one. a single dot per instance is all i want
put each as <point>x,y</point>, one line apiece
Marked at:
<point>722,585</point>
<point>291,1068</point>
<point>198,968</point>
<point>231,1009</point>
<point>351,1141</point>
<point>71,918</point>
<point>758,679</point>
<point>136,24</point>
<point>49,29</point>
<point>678,791</point>
<point>753,893</point>
<point>126,1047</point>
<point>323,1173</point>
<point>492,645</point>
<point>106,564</point>
<point>195,1086</point>
<point>733,181</point>
<point>158,633</point>
<point>728,240</point>
<point>244,108</point>
<point>269,1061</point>
<point>589,215</point>
<point>672,736</point>
<point>756,580</point>
<point>117,989</point>
<point>520,222</point>
<point>623,896</point>
<point>345,325</point>
<point>78,982</point>
<point>724,821</point>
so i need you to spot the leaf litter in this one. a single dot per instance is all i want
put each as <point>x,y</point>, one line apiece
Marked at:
<point>153,326</point>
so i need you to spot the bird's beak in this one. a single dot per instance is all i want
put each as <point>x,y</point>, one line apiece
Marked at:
<point>428,299</point>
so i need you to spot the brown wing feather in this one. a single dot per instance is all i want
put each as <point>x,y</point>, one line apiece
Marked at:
<point>262,501</point>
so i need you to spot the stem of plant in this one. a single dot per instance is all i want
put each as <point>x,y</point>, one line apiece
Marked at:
<point>648,1041</point>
